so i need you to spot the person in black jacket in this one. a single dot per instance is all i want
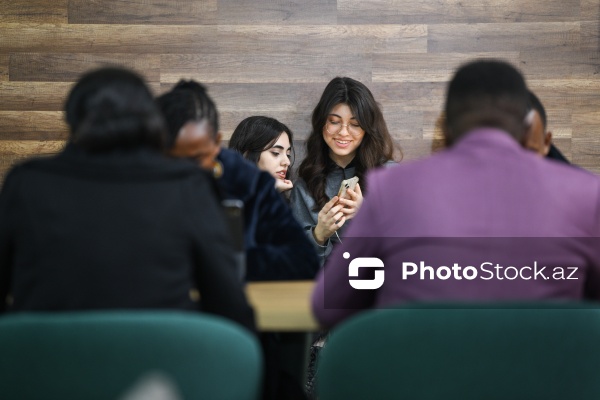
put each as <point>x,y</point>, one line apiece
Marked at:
<point>539,138</point>
<point>110,222</point>
<point>276,246</point>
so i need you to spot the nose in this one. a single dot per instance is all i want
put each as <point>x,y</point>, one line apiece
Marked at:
<point>285,161</point>
<point>342,128</point>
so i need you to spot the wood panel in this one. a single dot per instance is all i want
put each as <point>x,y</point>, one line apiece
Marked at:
<point>4,59</point>
<point>498,37</point>
<point>568,63</point>
<point>298,122</point>
<point>290,103</point>
<point>274,57</point>
<point>28,11</point>
<point>145,12</point>
<point>33,96</point>
<point>409,96</point>
<point>586,152</point>
<point>560,122</point>
<point>32,125</point>
<point>414,149</point>
<point>426,67</point>
<point>586,125</point>
<point>62,67</point>
<point>590,36</point>
<point>404,124</point>
<point>261,97</point>
<point>39,96</point>
<point>432,125</point>
<point>279,12</point>
<point>456,11</point>
<point>289,68</point>
<point>582,95</point>
<point>323,41</point>
<point>590,10</point>
<point>134,39</point>
<point>28,147</point>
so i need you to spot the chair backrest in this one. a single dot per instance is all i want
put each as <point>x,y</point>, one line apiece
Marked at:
<point>452,352</point>
<point>101,355</point>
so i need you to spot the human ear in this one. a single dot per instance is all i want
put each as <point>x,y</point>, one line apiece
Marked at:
<point>547,142</point>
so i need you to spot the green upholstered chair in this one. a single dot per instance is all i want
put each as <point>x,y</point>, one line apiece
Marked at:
<point>102,355</point>
<point>447,352</point>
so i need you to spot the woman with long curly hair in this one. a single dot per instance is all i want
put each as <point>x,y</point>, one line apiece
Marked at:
<point>349,136</point>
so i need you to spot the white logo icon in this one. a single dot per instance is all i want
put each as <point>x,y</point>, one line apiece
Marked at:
<point>365,262</point>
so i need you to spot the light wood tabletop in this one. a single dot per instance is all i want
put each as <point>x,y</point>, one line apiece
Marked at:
<point>282,306</point>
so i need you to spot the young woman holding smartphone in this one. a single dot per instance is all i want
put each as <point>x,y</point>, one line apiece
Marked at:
<point>349,136</point>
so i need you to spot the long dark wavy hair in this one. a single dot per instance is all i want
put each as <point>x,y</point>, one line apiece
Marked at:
<point>259,133</point>
<point>376,148</point>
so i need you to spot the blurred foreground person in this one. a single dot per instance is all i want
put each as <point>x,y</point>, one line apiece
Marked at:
<point>110,223</point>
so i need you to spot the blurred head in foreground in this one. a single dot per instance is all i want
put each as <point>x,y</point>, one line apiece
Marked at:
<point>112,109</point>
<point>486,93</point>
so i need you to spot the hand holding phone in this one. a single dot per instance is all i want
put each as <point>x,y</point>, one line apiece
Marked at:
<point>347,184</point>
<point>351,204</point>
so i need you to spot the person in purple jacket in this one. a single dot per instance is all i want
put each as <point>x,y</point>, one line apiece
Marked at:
<point>466,224</point>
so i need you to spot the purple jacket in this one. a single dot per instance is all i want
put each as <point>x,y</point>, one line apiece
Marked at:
<point>482,221</point>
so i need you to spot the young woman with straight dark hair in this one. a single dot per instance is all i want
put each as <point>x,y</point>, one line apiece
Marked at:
<point>267,143</point>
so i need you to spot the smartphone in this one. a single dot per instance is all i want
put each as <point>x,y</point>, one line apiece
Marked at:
<point>347,184</point>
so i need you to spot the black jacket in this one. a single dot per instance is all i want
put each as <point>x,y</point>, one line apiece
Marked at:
<point>120,230</point>
<point>276,246</point>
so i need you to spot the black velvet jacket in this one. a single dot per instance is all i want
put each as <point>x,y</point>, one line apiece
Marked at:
<point>276,246</point>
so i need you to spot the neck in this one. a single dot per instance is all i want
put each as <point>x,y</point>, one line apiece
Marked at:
<point>342,161</point>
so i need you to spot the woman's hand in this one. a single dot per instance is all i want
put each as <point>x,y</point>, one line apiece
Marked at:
<point>330,220</point>
<point>352,205</point>
<point>281,185</point>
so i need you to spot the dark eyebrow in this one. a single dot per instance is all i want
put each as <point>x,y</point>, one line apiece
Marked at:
<point>280,147</point>
<point>339,116</point>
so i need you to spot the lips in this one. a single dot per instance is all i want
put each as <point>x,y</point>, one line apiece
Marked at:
<point>343,143</point>
<point>281,174</point>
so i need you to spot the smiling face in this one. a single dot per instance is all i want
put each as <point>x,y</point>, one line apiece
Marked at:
<point>277,159</point>
<point>343,134</point>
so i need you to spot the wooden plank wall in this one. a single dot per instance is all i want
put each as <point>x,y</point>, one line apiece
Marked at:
<point>274,57</point>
